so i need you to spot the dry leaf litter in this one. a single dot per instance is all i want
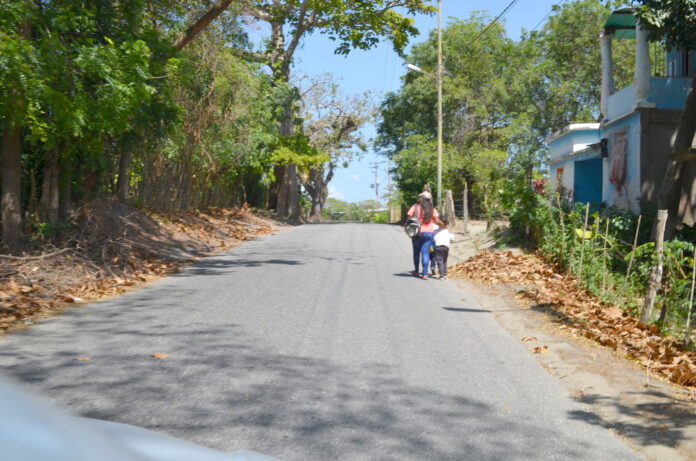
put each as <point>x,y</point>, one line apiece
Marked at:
<point>110,248</point>
<point>582,314</point>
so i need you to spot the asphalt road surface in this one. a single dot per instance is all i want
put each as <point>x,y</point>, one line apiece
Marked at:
<point>310,344</point>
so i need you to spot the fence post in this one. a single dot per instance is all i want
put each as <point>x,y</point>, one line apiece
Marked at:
<point>656,272</point>
<point>449,207</point>
<point>604,258</point>
<point>633,251</point>
<point>563,231</point>
<point>466,208</point>
<point>687,334</point>
<point>582,240</point>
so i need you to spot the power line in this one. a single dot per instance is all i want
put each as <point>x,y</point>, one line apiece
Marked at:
<point>548,14</point>
<point>504,12</point>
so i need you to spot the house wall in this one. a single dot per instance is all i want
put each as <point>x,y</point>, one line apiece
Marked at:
<point>658,126</point>
<point>620,103</point>
<point>628,196</point>
<point>669,92</point>
<point>568,165</point>
<point>573,141</point>
<point>665,93</point>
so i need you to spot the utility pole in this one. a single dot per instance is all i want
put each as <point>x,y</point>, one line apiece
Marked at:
<point>375,166</point>
<point>438,81</point>
<point>390,203</point>
<point>438,75</point>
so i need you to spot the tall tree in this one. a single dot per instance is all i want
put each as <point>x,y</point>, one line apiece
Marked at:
<point>352,23</point>
<point>332,122</point>
<point>501,97</point>
<point>18,80</point>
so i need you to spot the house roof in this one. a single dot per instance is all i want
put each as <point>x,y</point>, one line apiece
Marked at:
<point>570,128</point>
<point>622,23</point>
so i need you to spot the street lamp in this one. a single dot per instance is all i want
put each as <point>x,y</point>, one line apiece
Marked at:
<point>438,80</point>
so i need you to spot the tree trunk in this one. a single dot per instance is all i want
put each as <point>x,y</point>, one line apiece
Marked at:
<point>288,201</point>
<point>449,207</point>
<point>465,211</point>
<point>656,272</point>
<point>274,189</point>
<point>11,171</point>
<point>671,187</point>
<point>288,195</point>
<point>49,190</point>
<point>123,176</point>
<point>65,192</point>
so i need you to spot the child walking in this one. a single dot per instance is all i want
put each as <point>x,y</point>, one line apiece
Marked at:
<point>443,238</point>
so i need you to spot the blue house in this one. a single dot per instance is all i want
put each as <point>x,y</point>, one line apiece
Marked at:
<point>621,160</point>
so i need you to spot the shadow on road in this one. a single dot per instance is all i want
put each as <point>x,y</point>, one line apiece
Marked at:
<point>222,389</point>
<point>217,266</point>
<point>666,421</point>
<point>464,309</point>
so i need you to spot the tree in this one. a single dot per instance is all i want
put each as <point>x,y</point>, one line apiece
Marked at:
<point>72,80</point>
<point>17,102</point>
<point>474,107</point>
<point>332,122</point>
<point>674,21</point>
<point>352,24</point>
<point>501,98</point>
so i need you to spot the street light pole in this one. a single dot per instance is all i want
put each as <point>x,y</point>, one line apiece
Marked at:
<point>438,80</point>
<point>438,74</point>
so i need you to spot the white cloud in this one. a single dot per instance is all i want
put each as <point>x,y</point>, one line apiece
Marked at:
<point>355,178</point>
<point>335,193</point>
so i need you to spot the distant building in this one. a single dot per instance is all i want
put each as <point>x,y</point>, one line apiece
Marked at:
<point>621,160</point>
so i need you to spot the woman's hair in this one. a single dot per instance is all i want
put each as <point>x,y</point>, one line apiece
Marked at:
<point>426,206</point>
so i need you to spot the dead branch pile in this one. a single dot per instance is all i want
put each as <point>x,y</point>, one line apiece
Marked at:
<point>582,314</point>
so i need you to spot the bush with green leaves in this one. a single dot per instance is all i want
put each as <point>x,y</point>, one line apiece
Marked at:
<point>601,256</point>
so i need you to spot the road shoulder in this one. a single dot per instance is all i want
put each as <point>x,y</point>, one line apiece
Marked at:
<point>648,414</point>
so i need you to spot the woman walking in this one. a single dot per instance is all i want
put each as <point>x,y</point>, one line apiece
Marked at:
<point>428,217</point>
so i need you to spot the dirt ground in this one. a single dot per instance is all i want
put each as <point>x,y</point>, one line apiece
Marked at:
<point>111,248</point>
<point>654,417</point>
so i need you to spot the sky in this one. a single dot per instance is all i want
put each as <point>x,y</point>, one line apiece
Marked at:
<point>380,69</point>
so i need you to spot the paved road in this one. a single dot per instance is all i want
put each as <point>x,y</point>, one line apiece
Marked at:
<point>310,344</point>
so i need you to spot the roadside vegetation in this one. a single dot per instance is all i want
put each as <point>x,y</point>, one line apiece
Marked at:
<point>171,105</point>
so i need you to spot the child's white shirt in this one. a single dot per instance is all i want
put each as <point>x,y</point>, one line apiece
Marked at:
<point>443,238</point>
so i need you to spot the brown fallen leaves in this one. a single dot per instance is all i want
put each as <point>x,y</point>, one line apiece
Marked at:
<point>110,248</point>
<point>582,314</point>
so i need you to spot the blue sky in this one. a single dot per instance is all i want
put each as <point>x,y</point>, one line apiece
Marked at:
<point>380,69</point>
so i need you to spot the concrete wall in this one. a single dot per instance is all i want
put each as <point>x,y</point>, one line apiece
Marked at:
<point>620,103</point>
<point>669,93</point>
<point>658,126</point>
<point>665,93</point>
<point>568,165</point>
<point>573,139</point>
<point>628,197</point>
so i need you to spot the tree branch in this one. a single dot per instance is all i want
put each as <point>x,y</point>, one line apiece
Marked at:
<point>192,31</point>
<point>261,15</point>
<point>299,32</point>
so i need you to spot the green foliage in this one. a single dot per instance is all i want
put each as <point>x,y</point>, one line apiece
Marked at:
<point>297,150</point>
<point>560,236</point>
<point>365,211</point>
<point>501,98</point>
<point>673,21</point>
